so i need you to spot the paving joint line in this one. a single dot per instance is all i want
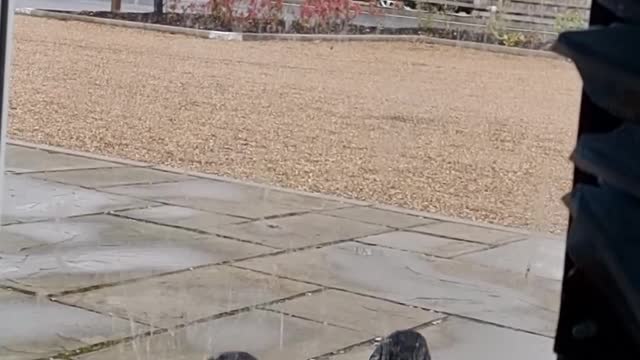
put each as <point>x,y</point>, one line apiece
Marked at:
<point>527,274</point>
<point>449,237</point>
<point>295,213</point>
<point>194,230</point>
<point>17,289</point>
<point>106,212</point>
<point>397,228</point>
<point>52,149</point>
<point>331,243</point>
<point>403,250</point>
<point>162,274</point>
<point>344,350</point>
<point>169,203</point>
<point>491,247</point>
<point>320,322</point>
<point>393,301</point>
<point>69,354</point>
<point>284,215</point>
<point>164,330</point>
<point>118,214</point>
<point>376,340</point>
<point>99,189</point>
<point>451,219</point>
<point>57,171</point>
<point>244,309</point>
<point>141,183</point>
<point>95,311</point>
<point>243,219</point>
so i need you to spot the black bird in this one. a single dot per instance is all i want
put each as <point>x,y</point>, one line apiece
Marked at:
<point>402,345</point>
<point>234,355</point>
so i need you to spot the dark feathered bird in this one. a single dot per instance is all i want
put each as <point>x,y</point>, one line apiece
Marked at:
<point>402,345</point>
<point>235,355</point>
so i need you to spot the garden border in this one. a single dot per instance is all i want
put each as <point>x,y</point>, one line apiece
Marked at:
<point>237,36</point>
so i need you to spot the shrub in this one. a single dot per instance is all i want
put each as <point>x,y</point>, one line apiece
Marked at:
<point>512,39</point>
<point>259,16</point>
<point>571,20</point>
<point>222,11</point>
<point>327,16</point>
<point>500,32</point>
<point>263,16</point>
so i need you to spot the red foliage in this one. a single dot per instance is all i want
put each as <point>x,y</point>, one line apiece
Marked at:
<point>264,15</point>
<point>373,9</point>
<point>223,10</point>
<point>258,16</point>
<point>328,15</point>
<point>318,16</point>
<point>263,9</point>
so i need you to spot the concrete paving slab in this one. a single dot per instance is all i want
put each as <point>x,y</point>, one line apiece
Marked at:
<point>267,335</point>
<point>364,314</point>
<point>423,243</point>
<point>538,256</point>
<point>504,298</point>
<point>96,178</point>
<point>33,328</point>
<point>182,217</point>
<point>300,231</point>
<point>11,243</point>
<point>228,198</point>
<point>27,199</point>
<point>379,216</point>
<point>468,232</point>
<point>459,339</point>
<point>66,254</point>
<point>87,251</point>
<point>22,159</point>
<point>171,300</point>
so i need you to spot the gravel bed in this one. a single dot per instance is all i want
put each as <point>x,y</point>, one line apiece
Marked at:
<point>459,132</point>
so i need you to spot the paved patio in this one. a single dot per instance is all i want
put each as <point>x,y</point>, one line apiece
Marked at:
<point>108,259</point>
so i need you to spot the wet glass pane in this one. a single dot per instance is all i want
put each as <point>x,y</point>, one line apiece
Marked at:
<point>292,179</point>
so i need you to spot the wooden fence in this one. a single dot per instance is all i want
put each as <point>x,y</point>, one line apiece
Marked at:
<point>542,18</point>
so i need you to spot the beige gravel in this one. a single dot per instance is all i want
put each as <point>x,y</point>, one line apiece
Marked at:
<point>453,131</point>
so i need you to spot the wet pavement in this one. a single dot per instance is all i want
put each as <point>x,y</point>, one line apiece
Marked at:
<point>108,259</point>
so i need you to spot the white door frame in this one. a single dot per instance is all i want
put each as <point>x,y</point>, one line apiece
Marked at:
<point>7,10</point>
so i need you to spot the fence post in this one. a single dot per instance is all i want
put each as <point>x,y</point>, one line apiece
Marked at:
<point>491,22</point>
<point>158,6</point>
<point>116,5</point>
